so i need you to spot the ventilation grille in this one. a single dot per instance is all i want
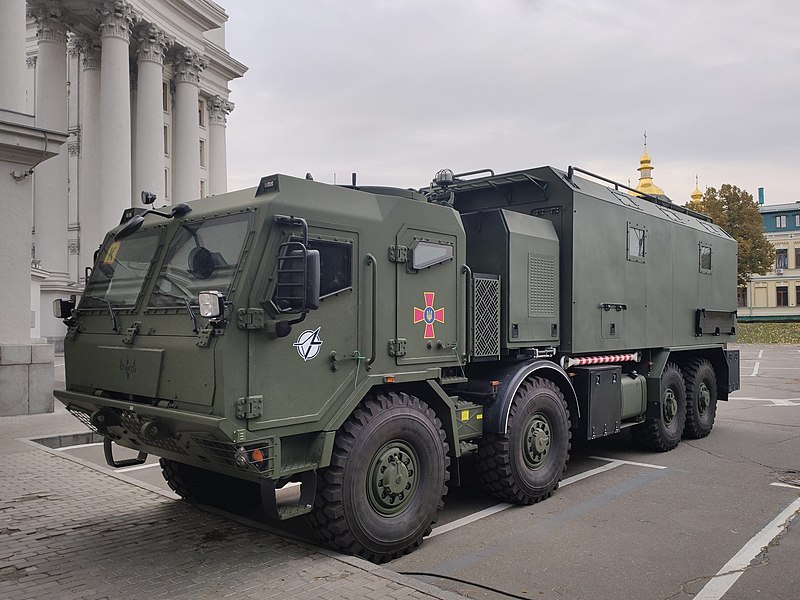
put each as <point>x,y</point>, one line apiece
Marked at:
<point>541,285</point>
<point>486,311</point>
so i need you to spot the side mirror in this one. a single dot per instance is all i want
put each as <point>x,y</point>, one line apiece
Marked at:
<point>201,262</point>
<point>62,309</point>
<point>130,227</point>
<point>298,284</point>
<point>312,279</point>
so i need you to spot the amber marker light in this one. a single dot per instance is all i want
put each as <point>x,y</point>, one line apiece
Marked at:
<point>388,379</point>
<point>257,455</point>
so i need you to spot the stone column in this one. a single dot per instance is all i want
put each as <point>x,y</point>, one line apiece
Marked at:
<point>116,19</point>
<point>12,55</point>
<point>89,193</point>
<point>218,110</point>
<point>30,85</point>
<point>149,154</point>
<point>26,370</point>
<point>186,140</point>
<point>50,193</point>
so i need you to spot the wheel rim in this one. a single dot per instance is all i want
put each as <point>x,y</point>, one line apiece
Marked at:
<point>392,478</point>
<point>703,398</point>
<point>670,406</point>
<point>536,444</point>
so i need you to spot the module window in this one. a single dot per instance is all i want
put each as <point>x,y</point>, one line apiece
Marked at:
<point>637,243</point>
<point>705,258</point>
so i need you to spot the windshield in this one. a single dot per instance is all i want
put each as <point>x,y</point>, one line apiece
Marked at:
<point>202,256</point>
<point>118,275</point>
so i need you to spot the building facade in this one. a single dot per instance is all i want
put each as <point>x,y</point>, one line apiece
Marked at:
<point>141,89</point>
<point>776,295</point>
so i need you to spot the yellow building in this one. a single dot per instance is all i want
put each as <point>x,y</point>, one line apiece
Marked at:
<point>776,295</point>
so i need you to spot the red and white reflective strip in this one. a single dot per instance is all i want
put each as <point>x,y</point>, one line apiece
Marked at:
<point>581,361</point>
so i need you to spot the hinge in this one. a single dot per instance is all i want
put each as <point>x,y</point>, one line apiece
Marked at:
<point>204,336</point>
<point>250,318</point>
<point>249,407</point>
<point>131,333</point>
<point>72,332</point>
<point>398,254</point>
<point>397,347</point>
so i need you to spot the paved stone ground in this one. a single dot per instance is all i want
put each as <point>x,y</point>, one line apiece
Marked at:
<point>70,532</point>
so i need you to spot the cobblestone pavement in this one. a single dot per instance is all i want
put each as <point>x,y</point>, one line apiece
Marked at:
<point>70,532</point>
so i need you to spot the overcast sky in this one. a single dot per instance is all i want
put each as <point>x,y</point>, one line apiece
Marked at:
<point>396,90</point>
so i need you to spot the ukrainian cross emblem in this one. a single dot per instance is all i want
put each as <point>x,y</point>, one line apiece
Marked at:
<point>429,315</point>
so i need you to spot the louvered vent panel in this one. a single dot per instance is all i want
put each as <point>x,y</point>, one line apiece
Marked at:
<point>541,285</point>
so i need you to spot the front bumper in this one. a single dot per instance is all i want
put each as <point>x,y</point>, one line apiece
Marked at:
<point>205,441</point>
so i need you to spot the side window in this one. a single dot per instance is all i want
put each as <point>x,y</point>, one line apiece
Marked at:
<point>705,258</point>
<point>336,266</point>
<point>637,238</point>
<point>426,254</point>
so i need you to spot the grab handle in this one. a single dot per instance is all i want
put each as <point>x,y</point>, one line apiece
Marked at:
<point>374,264</point>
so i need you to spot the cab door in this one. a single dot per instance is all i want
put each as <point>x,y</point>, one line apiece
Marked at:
<point>305,374</point>
<point>427,298</point>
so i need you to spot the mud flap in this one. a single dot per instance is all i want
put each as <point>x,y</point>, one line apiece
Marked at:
<point>308,490</point>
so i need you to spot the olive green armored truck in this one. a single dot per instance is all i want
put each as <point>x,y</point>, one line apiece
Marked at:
<point>335,351</point>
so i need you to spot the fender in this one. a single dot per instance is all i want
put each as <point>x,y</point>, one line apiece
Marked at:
<point>512,376</point>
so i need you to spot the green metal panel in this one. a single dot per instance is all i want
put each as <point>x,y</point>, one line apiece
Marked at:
<point>524,251</point>
<point>427,301</point>
<point>658,293</point>
<point>115,368</point>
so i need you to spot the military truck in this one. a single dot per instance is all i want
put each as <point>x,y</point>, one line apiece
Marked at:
<point>359,342</point>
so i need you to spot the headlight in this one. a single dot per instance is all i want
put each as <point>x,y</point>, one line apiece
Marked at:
<point>62,309</point>
<point>212,304</point>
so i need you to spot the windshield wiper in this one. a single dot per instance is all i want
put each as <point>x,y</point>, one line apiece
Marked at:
<point>186,301</point>
<point>111,308</point>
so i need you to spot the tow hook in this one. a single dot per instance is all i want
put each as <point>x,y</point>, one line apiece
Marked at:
<point>117,464</point>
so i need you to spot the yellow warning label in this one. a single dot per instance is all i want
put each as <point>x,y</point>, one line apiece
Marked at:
<point>465,415</point>
<point>111,253</point>
<point>479,416</point>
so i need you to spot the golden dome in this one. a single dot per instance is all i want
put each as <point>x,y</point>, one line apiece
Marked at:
<point>645,169</point>
<point>697,195</point>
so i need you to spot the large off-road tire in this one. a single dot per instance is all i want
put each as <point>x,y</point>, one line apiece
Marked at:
<point>701,398</point>
<point>200,486</point>
<point>387,477</point>
<point>526,464</point>
<point>663,433</point>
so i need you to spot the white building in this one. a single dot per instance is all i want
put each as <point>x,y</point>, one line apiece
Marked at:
<point>140,88</point>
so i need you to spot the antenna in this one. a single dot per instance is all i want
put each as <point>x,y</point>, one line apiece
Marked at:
<point>354,179</point>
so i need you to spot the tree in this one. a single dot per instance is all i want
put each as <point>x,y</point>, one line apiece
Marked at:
<point>737,213</point>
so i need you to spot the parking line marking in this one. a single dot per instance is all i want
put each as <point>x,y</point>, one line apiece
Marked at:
<point>137,467</point>
<point>775,401</point>
<point>760,353</point>
<point>733,569</point>
<point>755,369</point>
<point>76,446</point>
<point>629,462</point>
<point>786,485</point>
<point>505,505</point>
<point>469,519</point>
